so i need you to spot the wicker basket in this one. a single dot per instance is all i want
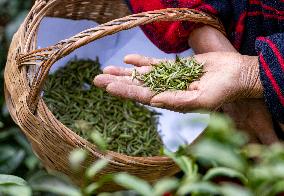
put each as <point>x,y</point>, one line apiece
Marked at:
<point>27,69</point>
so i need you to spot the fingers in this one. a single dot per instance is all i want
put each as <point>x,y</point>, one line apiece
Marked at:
<point>177,100</point>
<point>139,60</point>
<point>103,80</point>
<point>120,71</point>
<point>132,92</point>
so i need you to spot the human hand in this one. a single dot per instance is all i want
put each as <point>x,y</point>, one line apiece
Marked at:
<point>250,115</point>
<point>228,77</point>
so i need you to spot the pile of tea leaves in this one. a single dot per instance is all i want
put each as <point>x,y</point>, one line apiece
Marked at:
<point>126,126</point>
<point>171,75</point>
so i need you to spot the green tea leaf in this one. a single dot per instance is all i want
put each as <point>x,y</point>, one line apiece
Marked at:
<point>11,180</point>
<point>266,173</point>
<point>10,162</point>
<point>111,123</point>
<point>224,155</point>
<point>91,188</point>
<point>6,152</point>
<point>133,183</point>
<point>221,128</point>
<point>226,172</point>
<point>165,185</point>
<point>199,187</point>
<point>234,190</point>
<point>77,157</point>
<point>43,182</point>
<point>184,163</point>
<point>1,125</point>
<point>4,135</point>
<point>22,141</point>
<point>31,162</point>
<point>96,167</point>
<point>277,188</point>
<point>15,190</point>
<point>98,140</point>
<point>171,75</point>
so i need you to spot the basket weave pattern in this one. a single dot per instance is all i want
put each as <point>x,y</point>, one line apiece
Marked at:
<point>27,68</point>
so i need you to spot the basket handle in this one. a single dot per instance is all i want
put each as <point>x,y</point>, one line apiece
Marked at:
<point>46,57</point>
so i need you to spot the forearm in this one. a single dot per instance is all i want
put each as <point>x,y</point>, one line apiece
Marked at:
<point>208,39</point>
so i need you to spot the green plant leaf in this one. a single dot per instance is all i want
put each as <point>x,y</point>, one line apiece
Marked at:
<point>31,162</point>
<point>267,173</point>
<point>105,194</point>
<point>235,190</point>
<point>165,185</point>
<point>91,188</point>
<point>214,151</point>
<point>221,128</point>
<point>133,183</point>
<point>253,150</point>
<point>15,190</point>
<point>6,152</point>
<point>77,157</point>
<point>10,159</point>
<point>273,154</point>
<point>96,167</point>
<point>11,180</point>
<point>8,133</point>
<point>121,193</point>
<point>43,182</point>
<point>98,140</point>
<point>22,141</point>
<point>278,188</point>
<point>226,172</point>
<point>199,187</point>
<point>4,135</point>
<point>184,163</point>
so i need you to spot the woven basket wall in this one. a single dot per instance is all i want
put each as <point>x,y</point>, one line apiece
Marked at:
<point>27,69</point>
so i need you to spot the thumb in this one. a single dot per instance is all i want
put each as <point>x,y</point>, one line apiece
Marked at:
<point>182,101</point>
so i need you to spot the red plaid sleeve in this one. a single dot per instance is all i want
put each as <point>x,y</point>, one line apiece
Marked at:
<point>172,37</point>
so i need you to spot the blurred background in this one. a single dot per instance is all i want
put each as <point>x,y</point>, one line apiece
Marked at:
<point>16,156</point>
<point>12,13</point>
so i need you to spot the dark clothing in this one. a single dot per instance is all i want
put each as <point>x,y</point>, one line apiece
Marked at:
<point>254,27</point>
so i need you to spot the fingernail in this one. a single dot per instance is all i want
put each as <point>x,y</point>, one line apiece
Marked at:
<point>158,105</point>
<point>108,67</point>
<point>126,58</point>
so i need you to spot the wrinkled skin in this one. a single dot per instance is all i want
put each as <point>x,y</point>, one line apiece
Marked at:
<point>231,81</point>
<point>250,115</point>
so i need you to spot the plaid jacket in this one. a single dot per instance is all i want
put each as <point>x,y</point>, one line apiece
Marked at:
<point>255,27</point>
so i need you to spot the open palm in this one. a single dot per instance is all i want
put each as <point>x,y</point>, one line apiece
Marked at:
<point>228,77</point>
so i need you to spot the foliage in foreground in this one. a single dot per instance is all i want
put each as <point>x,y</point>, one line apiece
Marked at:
<point>220,163</point>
